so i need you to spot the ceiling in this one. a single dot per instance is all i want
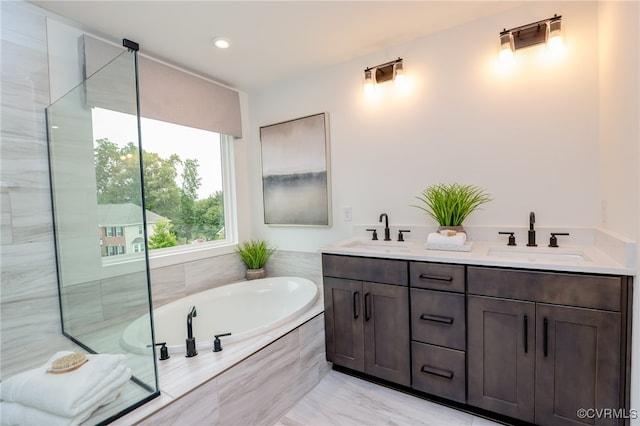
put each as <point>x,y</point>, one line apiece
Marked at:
<point>271,41</point>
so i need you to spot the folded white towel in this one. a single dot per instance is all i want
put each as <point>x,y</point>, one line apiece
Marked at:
<point>72,393</point>
<point>14,413</point>
<point>435,238</point>
<point>449,247</point>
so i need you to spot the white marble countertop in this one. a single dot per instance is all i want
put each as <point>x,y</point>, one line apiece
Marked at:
<point>586,258</point>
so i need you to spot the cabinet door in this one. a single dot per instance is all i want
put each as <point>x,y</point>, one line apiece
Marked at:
<point>501,355</point>
<point>386,332</point>
<point>577,364</point>
<point>343,322</point>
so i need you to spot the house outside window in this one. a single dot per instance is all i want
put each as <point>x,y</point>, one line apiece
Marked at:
<point>120,228</point>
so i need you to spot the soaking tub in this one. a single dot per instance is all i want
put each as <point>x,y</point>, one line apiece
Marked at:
<point>244,309</point>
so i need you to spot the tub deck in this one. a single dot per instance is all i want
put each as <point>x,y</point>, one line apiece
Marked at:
<point>179,375</point>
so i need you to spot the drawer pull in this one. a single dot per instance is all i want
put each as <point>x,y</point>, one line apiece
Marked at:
<point>435,278</point>
<point>437,372</point>
<point>436,318</point>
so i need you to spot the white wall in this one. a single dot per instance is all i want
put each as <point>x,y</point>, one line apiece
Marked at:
<point>528,135</point>
<point>619,137</point>
<point>559,138</point>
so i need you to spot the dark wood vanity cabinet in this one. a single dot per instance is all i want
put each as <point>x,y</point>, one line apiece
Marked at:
<point>367,316</point>
<point>532,345</point>
<point>541,346</point>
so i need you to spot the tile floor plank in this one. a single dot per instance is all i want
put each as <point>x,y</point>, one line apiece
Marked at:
<point>340,399</point>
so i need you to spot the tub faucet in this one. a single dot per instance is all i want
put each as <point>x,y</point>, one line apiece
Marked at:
<point>386,226</point>
<point>191,341</point>
<point>532,232</point>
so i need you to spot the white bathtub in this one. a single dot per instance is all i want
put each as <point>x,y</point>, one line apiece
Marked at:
<point>244,309</point>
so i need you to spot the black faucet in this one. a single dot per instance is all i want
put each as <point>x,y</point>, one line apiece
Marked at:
<point>532,232</point>
<point>191,341</point>
<point>386,226</point>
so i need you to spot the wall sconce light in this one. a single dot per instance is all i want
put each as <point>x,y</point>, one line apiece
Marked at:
<point>392,70</point>
<point>546,31</point>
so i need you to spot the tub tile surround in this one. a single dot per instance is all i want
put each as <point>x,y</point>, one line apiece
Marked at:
<point>269,374</point>
<point>169,283</point>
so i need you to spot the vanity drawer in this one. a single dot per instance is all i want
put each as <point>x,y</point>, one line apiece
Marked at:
<point>437,276</point>
<point>439,371</point>
<point>386,271</point>
<point>585,291</point>
<point>438,318</point>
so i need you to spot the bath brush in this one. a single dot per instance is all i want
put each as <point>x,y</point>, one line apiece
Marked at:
<point>68,363</point>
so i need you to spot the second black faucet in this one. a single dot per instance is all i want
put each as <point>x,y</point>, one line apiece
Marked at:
<point>387,236</point>
<point>532,233</point>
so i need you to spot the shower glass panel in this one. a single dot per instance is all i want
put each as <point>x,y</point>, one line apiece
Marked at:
<point>103,274</point>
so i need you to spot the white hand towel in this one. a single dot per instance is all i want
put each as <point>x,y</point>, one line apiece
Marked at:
<point>14,413</point>
<point>72,393</point>
<point>435,238</point>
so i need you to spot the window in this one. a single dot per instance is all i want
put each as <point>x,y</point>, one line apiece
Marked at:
<point>120,249</point>
<point>187,178</point>
<point>109,231</point>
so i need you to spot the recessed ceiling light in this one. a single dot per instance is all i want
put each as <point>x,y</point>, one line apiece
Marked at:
<point>221,43</point>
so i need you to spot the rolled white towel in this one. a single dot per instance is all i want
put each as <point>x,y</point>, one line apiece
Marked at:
<point>14,413</point>
<point>72,393</point>
<point>435,238</point>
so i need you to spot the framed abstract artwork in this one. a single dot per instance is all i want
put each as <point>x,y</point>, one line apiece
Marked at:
<point>295,172</point>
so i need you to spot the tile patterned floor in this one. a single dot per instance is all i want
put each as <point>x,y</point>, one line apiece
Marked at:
<point>340,399</point>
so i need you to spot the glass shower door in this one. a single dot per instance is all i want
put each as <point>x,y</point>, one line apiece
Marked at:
<point>99,223</point>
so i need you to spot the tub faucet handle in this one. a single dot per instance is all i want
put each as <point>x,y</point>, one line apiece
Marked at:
<point>374,237</point>
<point>217,345</point>
<point>164,352</point>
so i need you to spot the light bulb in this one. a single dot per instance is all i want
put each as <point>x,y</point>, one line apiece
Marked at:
<point>399,76</point>
<point>554,41</point>
<point>506,47</point>
<point>221,43</point>
<point>369,83</point>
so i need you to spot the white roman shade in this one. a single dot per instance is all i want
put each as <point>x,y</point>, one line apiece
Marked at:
<point>175,96</point>
<point>168,93</point>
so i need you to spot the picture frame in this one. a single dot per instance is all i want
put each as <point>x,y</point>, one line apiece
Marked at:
<point>295,172</point>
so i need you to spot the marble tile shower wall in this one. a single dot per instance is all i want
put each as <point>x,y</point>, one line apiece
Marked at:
<point>29,297</point>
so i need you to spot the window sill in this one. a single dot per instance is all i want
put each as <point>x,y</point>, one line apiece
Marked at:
<point>178,255</point>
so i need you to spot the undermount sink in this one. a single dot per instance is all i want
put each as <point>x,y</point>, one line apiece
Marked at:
<point>378,246</point>
<point>534,254</point>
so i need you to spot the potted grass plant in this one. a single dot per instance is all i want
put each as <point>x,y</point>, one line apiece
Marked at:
<point>450,204</point>
<point>254,254</point>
